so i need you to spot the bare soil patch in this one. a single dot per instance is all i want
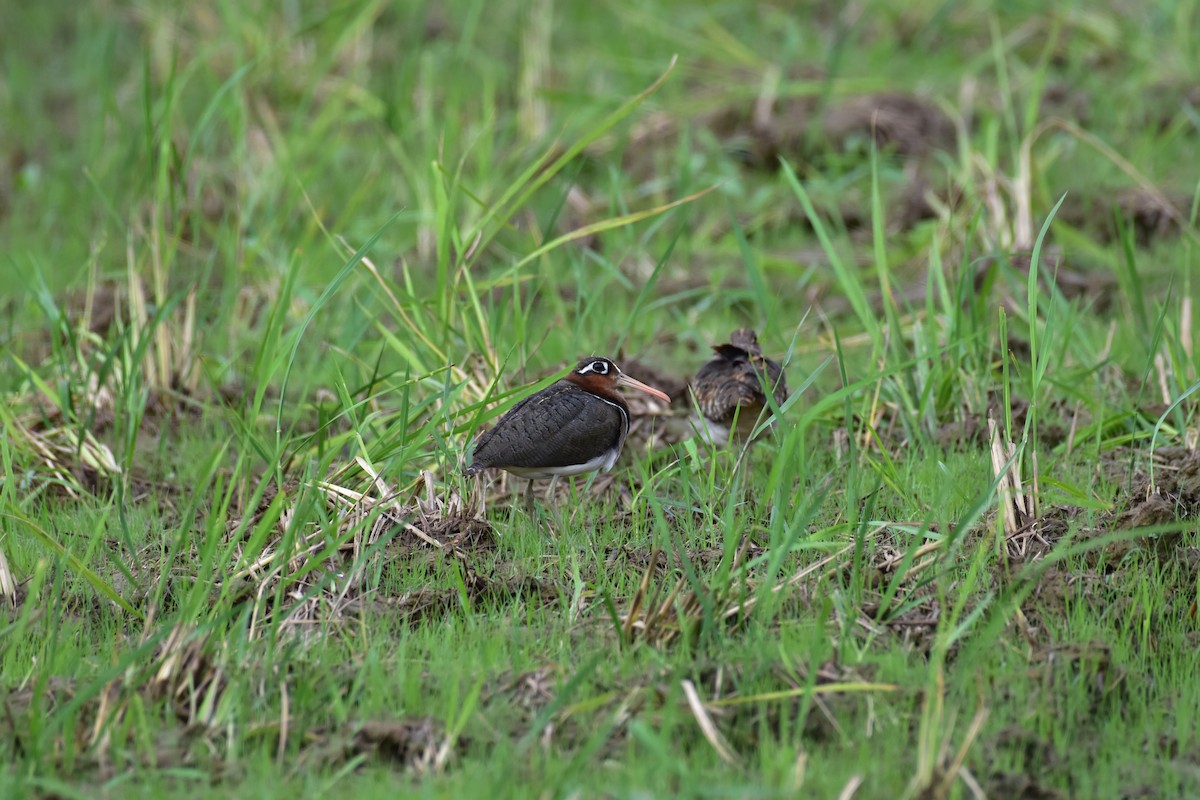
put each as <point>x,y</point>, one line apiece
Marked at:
<point>1151,213</point>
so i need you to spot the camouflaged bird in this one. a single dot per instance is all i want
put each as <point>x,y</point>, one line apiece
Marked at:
<point>729,389</point>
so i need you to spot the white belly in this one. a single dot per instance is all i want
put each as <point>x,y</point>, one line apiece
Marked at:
<point>712,433</point>
<point>602,462</point>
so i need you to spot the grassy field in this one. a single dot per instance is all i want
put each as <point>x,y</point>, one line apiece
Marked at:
<point>265,270</point>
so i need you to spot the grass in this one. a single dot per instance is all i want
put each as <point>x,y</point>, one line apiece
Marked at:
<point>268,269</point>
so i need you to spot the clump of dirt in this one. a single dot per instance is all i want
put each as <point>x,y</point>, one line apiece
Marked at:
<point>762,126</point>
<point>916,625</point>
<point>761,133</point>
<point>437,25</point>
<point>757,124</point>
<point>1170,102</point>
<point>531,690</point>
<point>1064,101</point>
<point>913,205</point>
<point>768,129</point>
<point>1019,786</point>
<point>966,429</point>
<point>493,585</point>
<point>1091,663</point>
<point>829,714</point>
<point>416,744</point>
<point>743,110</point>
<point>1172,495</point>
<point>1039,535</point>
<point>462,532</point>
<point>1037,753</point>
<point>1151,213</point>
<point>1039,759</point>
<point>1154,510</point>
<point>414,607</point>
<point>898,121</point>
<point>704,560</point>
<point>1095,287</point>
<point>1154,214</point>
<point>1059,586</point>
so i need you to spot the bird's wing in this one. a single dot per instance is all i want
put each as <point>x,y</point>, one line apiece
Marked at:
<point>483,439</point>
<point>559,427</point>
<point>721,386</point>
<point>777,380</point>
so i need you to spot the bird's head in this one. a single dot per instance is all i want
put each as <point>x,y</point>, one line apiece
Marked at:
<point>600,376</point>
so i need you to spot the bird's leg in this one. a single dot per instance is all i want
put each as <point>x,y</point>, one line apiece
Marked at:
<point>550,490</point>
<point>575,506</point>
<point>529,496</point>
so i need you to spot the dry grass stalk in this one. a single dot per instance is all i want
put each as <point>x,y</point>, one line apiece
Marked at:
<point>851,787</point>
<point>361,504</point>
<point>1015,510</point>
<point>63,450</point>
<point>366,515</point>
<point>171,356</point>
<point>1185,328</point>
<point>8,583</point>
<point>924,557</point>
<point>745,606</point>
<point>188,676</point>
<point>1160,369</point>
<point>956,768</point>
<point>707,726</point>
<point>1074,427</point>
<point>661,622</point>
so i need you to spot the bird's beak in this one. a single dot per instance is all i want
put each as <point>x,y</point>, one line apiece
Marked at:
<point>625,380</point>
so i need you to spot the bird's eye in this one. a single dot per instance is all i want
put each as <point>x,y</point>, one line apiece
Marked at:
<point>599,367</point>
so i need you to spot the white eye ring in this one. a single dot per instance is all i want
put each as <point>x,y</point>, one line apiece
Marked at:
<point>599,367</point>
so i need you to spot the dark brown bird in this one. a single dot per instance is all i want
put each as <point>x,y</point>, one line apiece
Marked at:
<point>730,390</point>
<point>575,425</point>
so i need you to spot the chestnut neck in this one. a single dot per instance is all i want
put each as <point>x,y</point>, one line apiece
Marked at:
<point>603,386</point>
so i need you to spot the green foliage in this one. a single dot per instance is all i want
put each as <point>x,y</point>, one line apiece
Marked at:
<point>268,268</point>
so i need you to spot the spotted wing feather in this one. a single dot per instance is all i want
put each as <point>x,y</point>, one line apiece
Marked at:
<point>731,384</point>
<point>725,384</point>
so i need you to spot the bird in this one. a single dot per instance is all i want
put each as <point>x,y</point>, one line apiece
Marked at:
<point>730,390</point>
<point>575,425</point>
